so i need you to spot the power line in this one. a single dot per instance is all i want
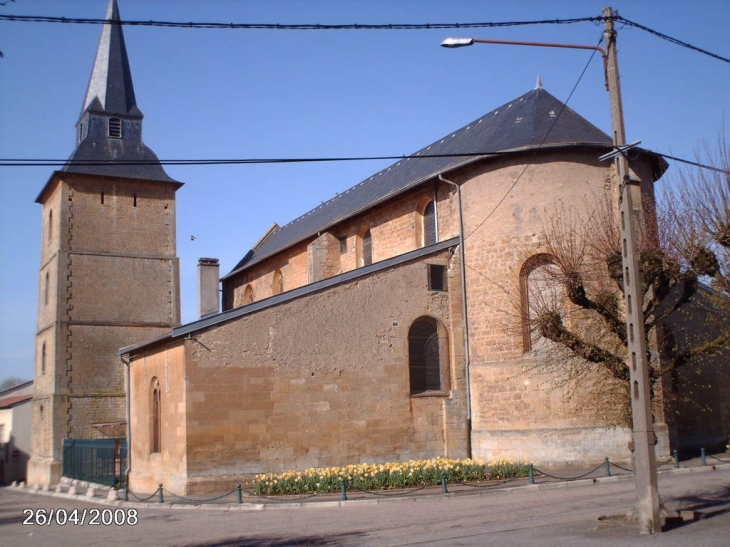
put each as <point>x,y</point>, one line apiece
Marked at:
<point>352,26</point>
<point>278,26</point>
<point>670,39</point>
<point>534,154</point>
<point>30,162</point>
<point>696,164</point>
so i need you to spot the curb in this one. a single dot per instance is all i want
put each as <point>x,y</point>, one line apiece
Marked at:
<point>253,506</point>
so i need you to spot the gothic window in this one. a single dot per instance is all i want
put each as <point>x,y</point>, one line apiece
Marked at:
<point>50,225</point>
<point>43,358</point>
<point>429,224</point>
<point>542,297</point>
<point>427,356</point>
<point>155,417</point>
<point>248,295</point>
<point>365,248</point>
<point>115,128</point>
<point>46,287</point>
<point>278,283</point>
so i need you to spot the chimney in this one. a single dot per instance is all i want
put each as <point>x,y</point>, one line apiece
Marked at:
<point>208,275</point>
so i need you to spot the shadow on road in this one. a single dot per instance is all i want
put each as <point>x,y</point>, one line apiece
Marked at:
<point>339,540</point>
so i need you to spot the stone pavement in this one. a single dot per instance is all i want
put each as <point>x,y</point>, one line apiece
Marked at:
<point>548,513</point>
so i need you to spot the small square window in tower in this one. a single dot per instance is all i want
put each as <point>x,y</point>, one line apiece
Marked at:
<point>115,128</point>
<point>437,278</point>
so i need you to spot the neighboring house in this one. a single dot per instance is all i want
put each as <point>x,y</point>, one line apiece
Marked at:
<point>15,432</point>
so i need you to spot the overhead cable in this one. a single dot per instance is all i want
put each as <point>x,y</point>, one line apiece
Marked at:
<point>30,162</point>
<point>278,26</point>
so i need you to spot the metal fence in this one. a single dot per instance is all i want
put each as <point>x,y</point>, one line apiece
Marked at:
<point>101,461</point>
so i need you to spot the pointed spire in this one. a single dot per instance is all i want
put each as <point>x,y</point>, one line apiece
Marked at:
<point>538,85</point>
<point>109,132</point>
<point>110,87</point>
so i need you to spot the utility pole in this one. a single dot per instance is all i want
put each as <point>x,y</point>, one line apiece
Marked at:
<point>645,475</point>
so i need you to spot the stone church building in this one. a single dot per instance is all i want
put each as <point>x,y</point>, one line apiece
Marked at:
<point>376,327</point>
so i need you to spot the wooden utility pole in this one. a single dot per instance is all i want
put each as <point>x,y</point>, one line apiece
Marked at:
<point>643,432</point>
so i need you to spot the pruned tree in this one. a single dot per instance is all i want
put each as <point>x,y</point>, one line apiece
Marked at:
<point>572,305</point>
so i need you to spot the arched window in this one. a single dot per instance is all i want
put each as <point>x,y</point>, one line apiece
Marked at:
<point>428,356</point>
<point>542,297</point>
<point>429,224</point>
<point>50,225</point>
<point>43,358</point>
<point>155,417</point>
<point>46,289</point>
<point>366,245</point>
<point>248,295</point>
<point>278,282</point>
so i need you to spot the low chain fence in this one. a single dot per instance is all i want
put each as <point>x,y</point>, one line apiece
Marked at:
<point>605,469</point>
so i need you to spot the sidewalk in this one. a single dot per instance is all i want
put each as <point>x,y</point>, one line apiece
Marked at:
<point>544,479</point>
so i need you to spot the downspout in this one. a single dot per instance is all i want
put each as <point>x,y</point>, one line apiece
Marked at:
<point>464,307</point>
<point>126,361</point>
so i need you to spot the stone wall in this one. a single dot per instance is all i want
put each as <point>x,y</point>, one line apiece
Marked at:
<point>393,228</point>
<point>108,254</point>
<point>322,380</point>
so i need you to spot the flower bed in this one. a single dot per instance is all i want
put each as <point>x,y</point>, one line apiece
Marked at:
<point>387,476</point>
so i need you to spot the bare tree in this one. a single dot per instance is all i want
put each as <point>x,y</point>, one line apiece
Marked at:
<point>10,382</point>
<point>571,303</point>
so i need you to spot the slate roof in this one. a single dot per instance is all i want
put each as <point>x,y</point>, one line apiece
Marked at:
<point>111,78</point>
<point>536,119</point>
<point>110,93</point>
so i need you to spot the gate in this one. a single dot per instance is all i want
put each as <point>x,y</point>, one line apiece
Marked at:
<point>101,461</point>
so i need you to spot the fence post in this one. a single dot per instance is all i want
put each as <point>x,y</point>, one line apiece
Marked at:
<point>608,467</point>
<point>343,486</point>
<point>238,492</point>
<point>702,455</point>
<point>159,494</point>
<point>532,474</point>
<point>676,458</point>
<point>443,482</point>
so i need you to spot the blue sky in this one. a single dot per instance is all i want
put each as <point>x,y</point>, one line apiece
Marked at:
<point>322,93</point>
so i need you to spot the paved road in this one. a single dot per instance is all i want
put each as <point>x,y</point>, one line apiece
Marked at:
<point>565,516</point>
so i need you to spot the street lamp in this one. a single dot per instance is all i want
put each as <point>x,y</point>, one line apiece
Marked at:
<point>643,432</point>
<point>464,42</point>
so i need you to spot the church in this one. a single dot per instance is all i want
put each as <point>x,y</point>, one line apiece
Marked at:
<point>376,327</point>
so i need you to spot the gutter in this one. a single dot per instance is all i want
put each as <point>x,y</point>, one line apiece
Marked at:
<point>126,361</point>
<point>464,309</point>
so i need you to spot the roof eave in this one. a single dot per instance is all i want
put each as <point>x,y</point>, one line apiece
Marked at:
<point>60,172</point>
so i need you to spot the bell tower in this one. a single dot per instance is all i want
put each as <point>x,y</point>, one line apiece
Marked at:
<point>109,273</point>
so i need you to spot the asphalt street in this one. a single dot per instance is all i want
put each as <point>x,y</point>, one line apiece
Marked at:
<point>584,513</point>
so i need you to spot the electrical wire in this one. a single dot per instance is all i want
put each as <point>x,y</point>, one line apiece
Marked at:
<point>534,154</point>
<point>29,162</point>
<point>354,26</point>
<point>670,39</point>
<point>278,26</point>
